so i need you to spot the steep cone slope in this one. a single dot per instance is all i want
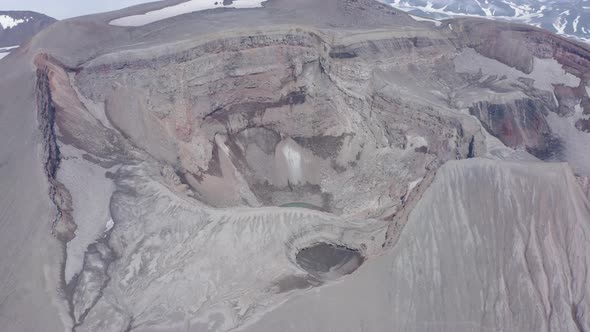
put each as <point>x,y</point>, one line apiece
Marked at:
<point>187,167</point>
<point>489,247</point>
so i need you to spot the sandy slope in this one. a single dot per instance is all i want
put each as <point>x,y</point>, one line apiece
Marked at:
<point>29,273</point>
<point>496,246</point>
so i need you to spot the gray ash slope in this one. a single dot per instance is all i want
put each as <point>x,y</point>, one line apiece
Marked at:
<point>157,179</point>
<point>20,26</point>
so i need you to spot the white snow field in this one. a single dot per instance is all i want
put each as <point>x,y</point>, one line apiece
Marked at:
<point>4,51</point>
<point>8,22</point>
<point>183,8</point>
<point>577,150</point>
<point>424,19</point>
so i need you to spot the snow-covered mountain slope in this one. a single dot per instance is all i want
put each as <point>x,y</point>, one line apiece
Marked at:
<point>565,17</point>
<point>17,27</point>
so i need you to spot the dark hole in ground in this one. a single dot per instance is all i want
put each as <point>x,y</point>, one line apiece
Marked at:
<point>327,261</point>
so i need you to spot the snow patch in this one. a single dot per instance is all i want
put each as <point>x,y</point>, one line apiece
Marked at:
<point>560,25</point>
<point>415,142</point>
<point>293,158</point>
<point>4,51</point>
<point>183,8</point>
<point>423,19</point>
<point>91,207</point>
<point>575,23</point>
<point>577,142</point>
<point>413,185</point>
<point>8,48</point>
<point>546,72</point>
<point>110,224</point>
<point>485,9</point>
<point>8,22</point>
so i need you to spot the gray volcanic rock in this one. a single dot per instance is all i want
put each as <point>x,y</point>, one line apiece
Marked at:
<point>217,169</point>
<point>17,27</point>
